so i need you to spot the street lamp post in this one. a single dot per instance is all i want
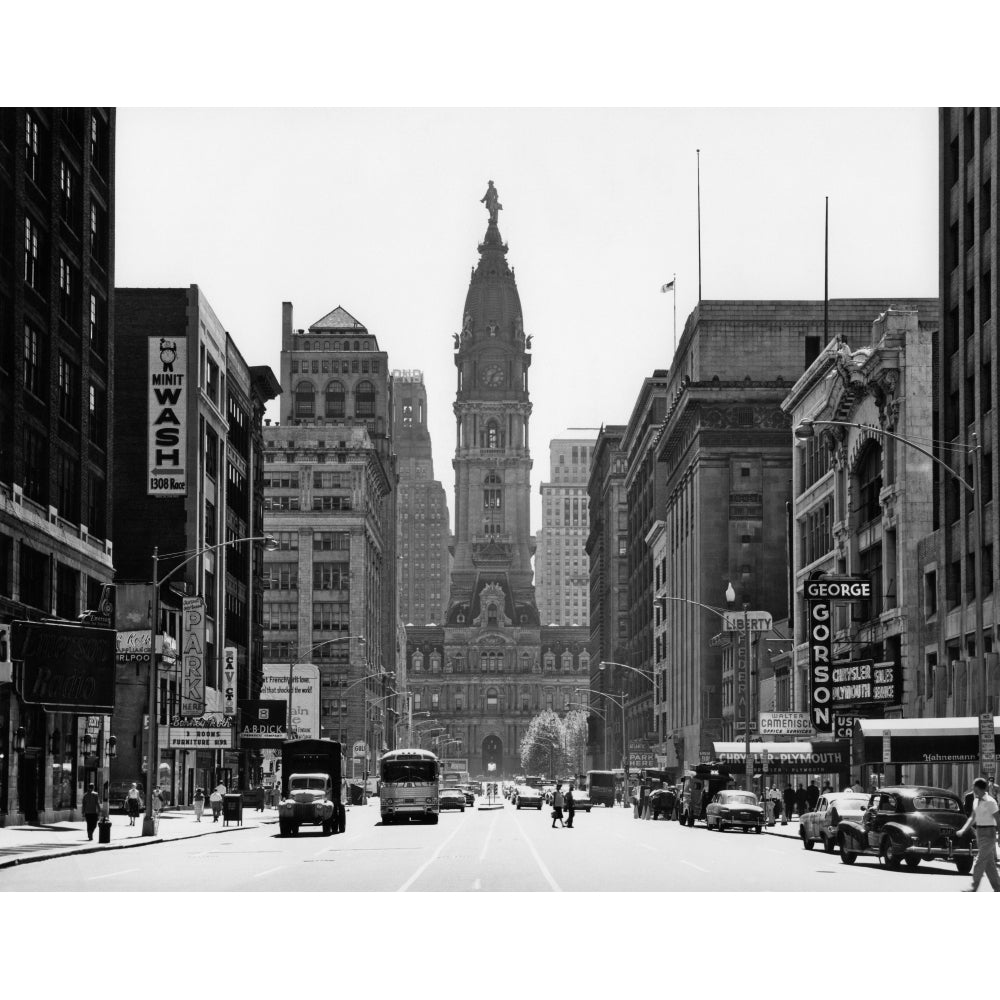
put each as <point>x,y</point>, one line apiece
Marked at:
<point>152,763</point>
<point>805,430</point>
<point>635,670</point>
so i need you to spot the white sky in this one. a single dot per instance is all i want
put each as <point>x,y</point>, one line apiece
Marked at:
<point>378,211</point>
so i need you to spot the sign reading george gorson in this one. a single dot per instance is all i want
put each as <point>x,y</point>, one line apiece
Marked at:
<point>166,444</point>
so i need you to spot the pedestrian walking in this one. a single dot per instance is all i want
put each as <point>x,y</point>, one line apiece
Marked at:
<point>801,799</point>
<point>570,808</point>
<point>788,797</point>
<point>557,807</point>
<point>132,799</point>
<point>157,801</point>
<point>260,801</point>
<point>984,821</point>
<point>91,805</point>
<point>812,795</point>
<point>774,801</point>
<point>215,799</point>
<point>199,803</point>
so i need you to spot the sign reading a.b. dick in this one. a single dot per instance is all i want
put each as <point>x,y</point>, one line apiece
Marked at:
<point>263,724</point>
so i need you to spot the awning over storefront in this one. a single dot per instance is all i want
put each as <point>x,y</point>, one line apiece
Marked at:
<point>787,758</point>
<point>918,741</point>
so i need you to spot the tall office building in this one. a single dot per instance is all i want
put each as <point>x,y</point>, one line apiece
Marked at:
<point>959,675</point>
<point>562,580</point>
<point>57,267</point>
<point>186,373</point>
<point>492,666</point>
<point>422,508</point>
<point>607,552</point>
<point>329,500</point>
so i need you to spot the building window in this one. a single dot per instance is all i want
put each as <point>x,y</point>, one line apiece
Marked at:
<point>492,701</point>
<point>331,576</point>
<point>869,476</point>
<point>98,326</point>
<point>36,466</point>
<point>364,399</point>
<point>305,404</point>
<point>97,416</point>
<point>69,392</point>
<point>33,362</point>
<point>32,270</point>
<point>336,405</point>
<point>67,592</point>
<point>68,185</point>
<point>68,485</point>
<point>98,144</point>
<point>31,147</point>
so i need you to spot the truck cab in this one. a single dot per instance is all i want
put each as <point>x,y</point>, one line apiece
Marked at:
<point>313,787</point>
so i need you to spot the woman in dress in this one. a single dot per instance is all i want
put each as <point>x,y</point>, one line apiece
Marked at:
<point>132,804</point>
<point>199,803</point>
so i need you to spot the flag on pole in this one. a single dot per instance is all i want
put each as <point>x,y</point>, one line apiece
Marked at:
<point>668,287</point>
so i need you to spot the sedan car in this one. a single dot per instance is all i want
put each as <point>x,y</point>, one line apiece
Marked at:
<point>734,808</point>
<point>528,797</point>
<point>470,795</point>
<point>821,823</point>
<point>451,798</point>
<point>909,823</point>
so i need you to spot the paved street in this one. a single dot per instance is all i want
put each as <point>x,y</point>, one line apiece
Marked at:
<point>474,851</point>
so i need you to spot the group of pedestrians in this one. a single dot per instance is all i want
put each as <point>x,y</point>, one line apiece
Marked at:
<point>562,801</point>
<point>784,803</point>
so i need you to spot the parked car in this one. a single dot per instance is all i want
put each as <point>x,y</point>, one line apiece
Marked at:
<point>821,824</point>
<point>581,800</point>
<point>451,798</point>
<point>737,809</point>
<point>527,797</point>
<point>909,823</point>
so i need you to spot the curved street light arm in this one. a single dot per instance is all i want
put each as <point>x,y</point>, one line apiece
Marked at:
<point>806,425</point>
<point>637,670</point>
<point>685,600</point>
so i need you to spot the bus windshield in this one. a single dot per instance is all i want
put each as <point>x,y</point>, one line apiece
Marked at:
<point>394,771</point>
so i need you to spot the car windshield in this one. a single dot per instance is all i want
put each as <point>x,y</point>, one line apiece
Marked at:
<point>738,799</point>
<point>310,781</point>
<point>409,770</point>
<point>936,803</point>
<point>850,802</point>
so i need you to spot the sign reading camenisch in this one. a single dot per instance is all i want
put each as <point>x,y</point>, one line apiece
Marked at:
<point>785,724</point>
<point>193,656</point>
<point>166,442</point>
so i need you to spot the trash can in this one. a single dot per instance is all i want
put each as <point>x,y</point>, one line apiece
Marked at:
<point>232,809</point>
<point>104,830</point>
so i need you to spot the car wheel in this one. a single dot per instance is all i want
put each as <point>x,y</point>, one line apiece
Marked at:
<point>518,806</point>
<point>891,853</point>
<point>539,807</point>
<point>283,828</point>
<point>828,845</point>
<point>964,865</point>
<point>757,829</point>
<point>328,827</point>
<point>463,808</point>
<point>806,842</point>
<point>432,820</point>
<point>847,856</point>
<point>341,818</point>
<point>690,819</point>
<point>912,861</point>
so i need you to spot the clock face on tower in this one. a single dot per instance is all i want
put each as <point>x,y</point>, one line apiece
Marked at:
<point>493,376</point>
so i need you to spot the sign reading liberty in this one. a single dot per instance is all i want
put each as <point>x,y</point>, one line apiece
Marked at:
<point>492,201</point>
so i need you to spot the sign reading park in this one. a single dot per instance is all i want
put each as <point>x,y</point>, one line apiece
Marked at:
<point>193,656</point>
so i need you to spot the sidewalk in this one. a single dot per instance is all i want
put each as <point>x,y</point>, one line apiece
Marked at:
<point>24,844</point>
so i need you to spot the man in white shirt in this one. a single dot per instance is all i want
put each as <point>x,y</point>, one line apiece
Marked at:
<point>984,821</point>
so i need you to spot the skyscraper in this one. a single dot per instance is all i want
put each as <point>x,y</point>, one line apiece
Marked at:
<point>422,509</point>
<point>562,579</point>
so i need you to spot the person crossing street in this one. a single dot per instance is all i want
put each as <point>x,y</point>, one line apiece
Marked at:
<point>984,821</point>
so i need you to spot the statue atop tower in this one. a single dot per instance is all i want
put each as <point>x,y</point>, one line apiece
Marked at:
<point>492,200</point>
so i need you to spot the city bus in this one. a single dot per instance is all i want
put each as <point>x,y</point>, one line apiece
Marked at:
<point>601,786</point>
<point>408,781</point>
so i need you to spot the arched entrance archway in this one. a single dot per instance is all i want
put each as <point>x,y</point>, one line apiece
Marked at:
<point>492,754</point>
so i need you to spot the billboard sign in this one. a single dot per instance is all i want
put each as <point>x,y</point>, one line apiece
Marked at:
<point>263,724</point>
<point>205,733</point>
<point>65,666</point>
<point>229,680</point>
<point>303,716</point>
<point>756,621</point>
<point>167,418</point>
<point>193,656</point>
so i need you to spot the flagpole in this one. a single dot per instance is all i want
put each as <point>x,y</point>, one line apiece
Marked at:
<point>674,283</point>
<point>698,152</point>
<point>826,273</point>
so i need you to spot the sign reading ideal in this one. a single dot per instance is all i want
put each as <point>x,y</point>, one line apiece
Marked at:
<point>193,656</point>
<point>166,443</point>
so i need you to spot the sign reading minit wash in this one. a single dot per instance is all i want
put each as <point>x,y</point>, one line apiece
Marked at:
<point>193,657</point>
<point>167,453</point>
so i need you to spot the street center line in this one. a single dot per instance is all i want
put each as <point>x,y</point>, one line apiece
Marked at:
<point>269,870</point>
<point>110,874</point>
<point>691,864</point>
<point>489,834</point>
<point>545,872</point>
<point>413,878</point>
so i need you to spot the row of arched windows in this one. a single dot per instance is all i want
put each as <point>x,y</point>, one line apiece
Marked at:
<point>335,400</point>
<point>492,661</point>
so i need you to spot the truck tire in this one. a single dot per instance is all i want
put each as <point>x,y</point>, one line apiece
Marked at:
<point>964,865</point>
<point>283,828</point>
<point>295,829</point>
<point>433,819</point>
<point>341,824</point>
<point>329,825</point>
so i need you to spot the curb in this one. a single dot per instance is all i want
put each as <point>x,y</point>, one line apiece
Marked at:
<point>121,846</point>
